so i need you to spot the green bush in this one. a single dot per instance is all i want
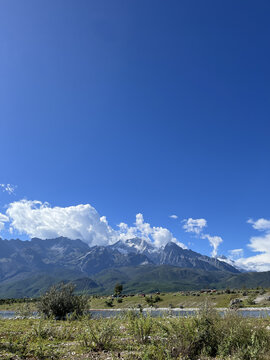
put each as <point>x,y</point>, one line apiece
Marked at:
<point>150,301</point>
<point>60,300</point>
<point>109,302</point>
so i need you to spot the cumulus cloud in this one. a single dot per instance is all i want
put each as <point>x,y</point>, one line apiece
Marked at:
<point>173,216</point>
<point>3,220</point>
<point>8,188</point>
<point>194,225</point>
<point>159,236</point>
<point>37,219</point>
<point>258,244</point>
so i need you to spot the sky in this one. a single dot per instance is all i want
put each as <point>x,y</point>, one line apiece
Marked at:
<point>137,118</point>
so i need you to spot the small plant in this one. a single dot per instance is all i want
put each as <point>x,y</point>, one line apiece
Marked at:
<point>24,310</point>
<point>60,300</point>
<point>141,328</point>
<point>98,334</point>
<point>250,300</point>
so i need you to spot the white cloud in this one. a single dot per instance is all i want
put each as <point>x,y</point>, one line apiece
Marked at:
<point>3,220</point>
<point>37,219</point>
<point>236,254</point>
<point>260,224</point>
<point>214,241</point>
<point>194,225</point>
<point>260,262</point>
<point>173,216</point>
<point>8,188</point>
<point>159,236</point>
<point>197,226</point>
<point>258,244</point>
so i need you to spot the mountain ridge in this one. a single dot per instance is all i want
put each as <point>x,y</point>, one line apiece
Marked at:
<point>65,259</point>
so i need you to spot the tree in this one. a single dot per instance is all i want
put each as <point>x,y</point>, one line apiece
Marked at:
<point>60,300</point>
<point>118,289</point>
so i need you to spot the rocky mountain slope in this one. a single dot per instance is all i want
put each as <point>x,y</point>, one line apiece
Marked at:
<point>47,261</point>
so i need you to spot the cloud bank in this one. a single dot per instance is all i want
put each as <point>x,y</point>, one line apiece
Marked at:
<point>37,219</point>
<point>258,244</point>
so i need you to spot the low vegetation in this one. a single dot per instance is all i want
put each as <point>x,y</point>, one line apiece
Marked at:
<point>136,337</point>
<point>183,299</point>
<point>66,331</point>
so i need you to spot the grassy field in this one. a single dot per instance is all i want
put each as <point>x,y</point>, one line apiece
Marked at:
<point>218,299</point>
<point>135,337</point>
<point>167,300</point>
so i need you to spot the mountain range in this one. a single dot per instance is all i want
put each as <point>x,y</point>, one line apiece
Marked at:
<point>27,268</point>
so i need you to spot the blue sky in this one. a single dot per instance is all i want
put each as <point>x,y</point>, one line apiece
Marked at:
<point>147,107</point>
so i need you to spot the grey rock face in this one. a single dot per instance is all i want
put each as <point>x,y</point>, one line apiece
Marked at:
<point>19,258</point>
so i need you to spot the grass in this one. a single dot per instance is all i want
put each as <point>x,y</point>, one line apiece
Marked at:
<point>219,299</point>
<point>135,337</point>
<point>188,299</point>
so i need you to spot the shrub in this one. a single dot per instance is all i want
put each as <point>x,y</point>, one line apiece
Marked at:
<point>60,300</point>
<point>150,301</point>
<point>109,302</point>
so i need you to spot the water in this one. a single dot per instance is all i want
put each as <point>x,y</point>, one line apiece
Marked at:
<point>247,313</point>
<point>107,313</point>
